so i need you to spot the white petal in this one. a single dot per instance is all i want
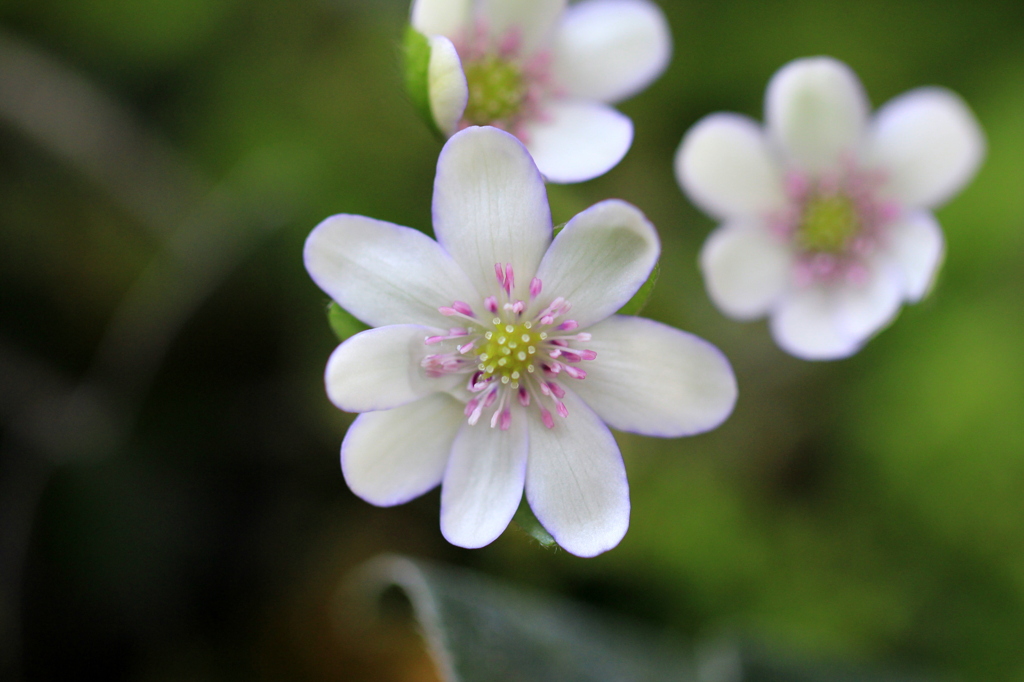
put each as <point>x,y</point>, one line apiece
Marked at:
<point>917,247</point>
<point>383,273</point>
<point>653,379</point>
<point>576,481</point>
<point>446,84</point>
<point>577,140</point>
<point>380,368</point>
<point>483,483</point>
<point>490,206</point>
<point>829,323</point>
<point>816,110</point>
<point>598,261</point>
<point>725,166</point>
<point>928,143</point>
<point>390,457</point>
<point>533,21</point>
<point>441,17</point>
<point>746,269</point>
<point>608,50</point>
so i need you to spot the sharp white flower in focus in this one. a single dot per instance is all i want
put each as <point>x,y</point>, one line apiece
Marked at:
<point>826,222</point>
<point>497,358</point>
<point>544,72</point>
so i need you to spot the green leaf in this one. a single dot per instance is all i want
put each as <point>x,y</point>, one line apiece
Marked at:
<point>526,520</point>
<point>636,304</point>
<point>480,630</point>
<point>342,322</point>
<point>416,55</point>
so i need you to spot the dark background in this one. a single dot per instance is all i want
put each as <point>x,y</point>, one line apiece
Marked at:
<point>171,506</point>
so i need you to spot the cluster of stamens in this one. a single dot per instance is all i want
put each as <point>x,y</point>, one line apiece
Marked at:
<point>511,353</point>
<point>505,86</point>
<point>834,222</point>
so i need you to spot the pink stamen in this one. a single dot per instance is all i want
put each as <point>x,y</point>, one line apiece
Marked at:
<point>491,304</point>
<point>499,272</point>
<point>506,419</point>
<point>510,278</point>
<point>563,411</point>
<point>535,287</point>
<point>555,389</point>
<point>568,326</point>
<point>524,397</point>
<point>574,372</point>
<point>547,418</point>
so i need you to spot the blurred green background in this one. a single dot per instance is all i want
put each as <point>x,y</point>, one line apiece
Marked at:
<point>171,505</point>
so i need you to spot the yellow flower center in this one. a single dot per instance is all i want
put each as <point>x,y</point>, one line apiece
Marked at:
<point>496,90</point>
<point>828,224</point>
<point>509,351</point>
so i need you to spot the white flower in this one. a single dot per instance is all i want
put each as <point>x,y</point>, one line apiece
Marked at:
<point>826,222</point>
<point>544,72</point>
<point>478,376</point>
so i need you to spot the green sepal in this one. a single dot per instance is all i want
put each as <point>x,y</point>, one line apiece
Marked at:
<point>636,304</point>
<point>342,322</point>
<point>558,228</point>
<point>525,519</point>
<point>416,55</point>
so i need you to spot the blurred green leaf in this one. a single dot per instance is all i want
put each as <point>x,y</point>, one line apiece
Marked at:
<point>343,323</point>
<point>416,53</point>
<point>636,304</point>
<point>527,520</point>
<point>481,630</point>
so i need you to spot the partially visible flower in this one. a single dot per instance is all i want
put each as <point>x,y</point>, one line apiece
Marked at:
<point>826,222</point>
<point>497,357</point>
<point>544,73</point>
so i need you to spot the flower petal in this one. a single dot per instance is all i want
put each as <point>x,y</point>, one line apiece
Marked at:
<point>577,140</point>
<point>816,110</point>
<point>608,50</point>
<point>380,369</point>
<point>483,483</point>
<point>725,166</point>
<point>917,247</point>
<point>653,379</point>
<point>441,17</point>
<point>446,84</point>
<point>530,21</point>
<point>383,273</point>
<point>746,269</point>
<point>829,323</point>
<point>928,143</point>
<point>598,261</point>
<point>390,457</point>
<point>576,481</point>
<point>490,206</point>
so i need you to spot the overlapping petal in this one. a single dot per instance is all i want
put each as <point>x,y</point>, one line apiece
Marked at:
<point>653,379</point>
<point>383,273</point>
<point>833,322</point>
<point>390,457</point>
<point>816,110</point>
<point>599,260</point>
<point>576,481</point>
<point>442,17</point>
<point>483,483</point>
<point>608,50</point>
<point>746,269</point>
<point>916,246</point>
<point>928,144</point>
<point>380,368</point>
<point>576,140</point>
<point>490,206</point>
<point>727,168</point>
<point>446,84</point>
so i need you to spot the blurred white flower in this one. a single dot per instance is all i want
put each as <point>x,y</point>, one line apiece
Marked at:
<point>497,358</point>
<point>825,214</point>
<point>543,72</point>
